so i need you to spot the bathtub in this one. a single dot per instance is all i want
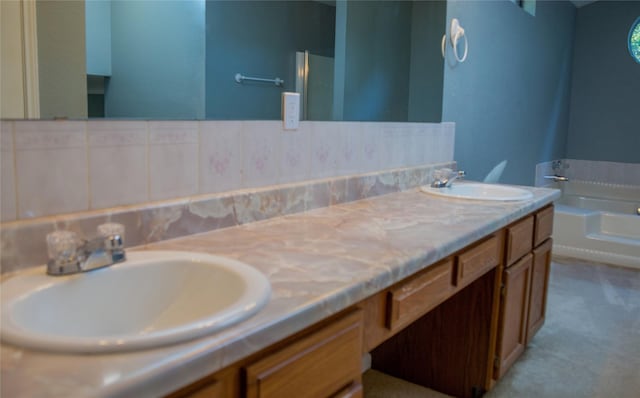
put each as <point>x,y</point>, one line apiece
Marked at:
<point>598,222</point>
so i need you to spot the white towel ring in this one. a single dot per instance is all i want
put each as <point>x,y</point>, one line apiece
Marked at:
<point>455,46</point>
<point>455,34</point>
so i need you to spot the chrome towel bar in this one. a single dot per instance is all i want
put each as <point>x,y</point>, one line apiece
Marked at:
<point>241,78</point>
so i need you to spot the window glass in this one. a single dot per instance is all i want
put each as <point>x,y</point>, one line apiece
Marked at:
<point>634,40</point>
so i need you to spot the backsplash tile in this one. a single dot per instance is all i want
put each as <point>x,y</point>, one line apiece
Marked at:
<point>295,158</point>
<point>261,141</point>
<point>221,156</point>
<point>118,164</point>
<point>51,157</point>
<point>370,149</point>
<point>447,148</point>
<point>8,211</point>
<point>326,147</point>
<point>173,159</point>
<point>65,169</point>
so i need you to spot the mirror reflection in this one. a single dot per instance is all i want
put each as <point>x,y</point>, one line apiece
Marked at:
<point>177,59</point>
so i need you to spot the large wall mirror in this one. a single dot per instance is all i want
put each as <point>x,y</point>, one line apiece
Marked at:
<point>178,59</point>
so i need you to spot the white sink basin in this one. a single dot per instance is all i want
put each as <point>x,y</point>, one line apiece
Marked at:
<point>478,191</point>
<point>154,298</point>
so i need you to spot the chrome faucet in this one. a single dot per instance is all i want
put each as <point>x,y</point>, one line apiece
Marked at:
<point>69,255</point>
<point>443,178</point>
<point>557,178</point>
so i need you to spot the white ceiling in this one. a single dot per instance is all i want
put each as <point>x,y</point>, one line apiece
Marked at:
<point>582,3</point>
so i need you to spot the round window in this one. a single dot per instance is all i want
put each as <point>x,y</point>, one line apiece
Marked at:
<point>634,40</point>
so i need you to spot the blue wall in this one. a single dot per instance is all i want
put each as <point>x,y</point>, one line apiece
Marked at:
<point>377,65</point>
<point>259,38</point>
<point>510,99</point>
<point>605,96</point>
<point>98,40</point>
<point>157,60</point>
<point>427,68</point>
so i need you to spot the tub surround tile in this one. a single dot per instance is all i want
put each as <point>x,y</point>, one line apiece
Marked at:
<point>173,159</point>
<point>52,159</point>
<point>118,165</point>
<point>544,169</point>
<point>605,172</point>
<point>221,156</point>
<point>318,262</point>
<point>8,211</point>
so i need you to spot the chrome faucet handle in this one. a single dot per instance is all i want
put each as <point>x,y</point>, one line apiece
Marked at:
<point>444,177</point>
<point>69,255</point>
<point>62,247</point>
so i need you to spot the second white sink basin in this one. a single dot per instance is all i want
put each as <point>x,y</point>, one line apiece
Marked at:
<point>152,299</point>
<point>479,191</point>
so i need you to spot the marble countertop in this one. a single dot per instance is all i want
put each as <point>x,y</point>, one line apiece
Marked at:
<point>319,263</point>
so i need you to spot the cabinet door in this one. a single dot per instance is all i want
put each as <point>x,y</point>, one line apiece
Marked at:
<point>539,285</point>
<point>513,314</point>
<point>323,364</point>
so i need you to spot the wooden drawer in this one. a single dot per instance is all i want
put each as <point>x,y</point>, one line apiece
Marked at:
<point>543,225</point>
<point>323,364</point>
<point>474,262</point>
<point>519,240</point>
<point>415,296</point>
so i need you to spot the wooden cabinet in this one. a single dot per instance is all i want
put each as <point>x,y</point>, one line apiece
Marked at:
<point>222,384</point>
<point>512,334</point>
<point>327,363</point>
<point>539,285</point>
<point>455,326</point>
<point>524,286</point>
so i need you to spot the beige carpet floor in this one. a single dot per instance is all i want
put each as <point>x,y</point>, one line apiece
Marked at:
<point>588,347</point>
<point>380,385</point>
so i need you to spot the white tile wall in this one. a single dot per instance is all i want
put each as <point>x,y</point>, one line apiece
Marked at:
<point>261,141</point>
<point>173,159</point>
<point>70,166</point>
<point>295,159</point>
<point>371,142</point>
<point>327,146</point>
<point>349,156</point>
<point>8,184</point>
<point>118,164</point>
<point>446,150</point>
<point>221,156</point>
<point>543,169</point>
<point>601,171</point>
<point>592,170</point>
<point>51,159</point>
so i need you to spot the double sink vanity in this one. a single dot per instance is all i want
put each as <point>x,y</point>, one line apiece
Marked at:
<point>444,292</point>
